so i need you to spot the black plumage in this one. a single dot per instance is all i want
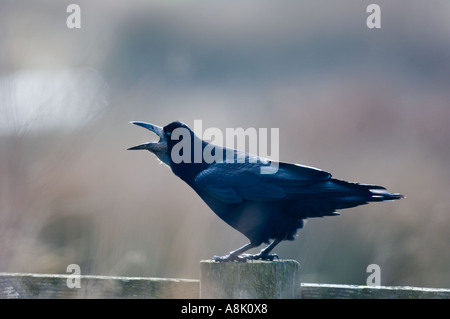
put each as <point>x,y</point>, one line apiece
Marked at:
<point>266,208</point>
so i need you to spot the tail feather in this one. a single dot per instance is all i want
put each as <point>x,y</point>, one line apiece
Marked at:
<point>360,194</point>
<point>384,195</point>
<point>335,194</point>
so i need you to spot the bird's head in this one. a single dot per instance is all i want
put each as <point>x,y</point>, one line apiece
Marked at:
<point>162,148</point>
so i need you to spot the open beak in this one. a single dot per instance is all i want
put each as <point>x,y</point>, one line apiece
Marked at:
<point>158,130</point>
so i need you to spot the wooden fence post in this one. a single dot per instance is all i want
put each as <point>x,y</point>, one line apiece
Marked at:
<point>250,280</point>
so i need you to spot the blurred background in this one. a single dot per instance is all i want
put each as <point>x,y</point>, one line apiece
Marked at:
<point>367,105</point>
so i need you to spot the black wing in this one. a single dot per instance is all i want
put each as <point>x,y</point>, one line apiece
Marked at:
<point>312,188</point>
<point>235,182</point>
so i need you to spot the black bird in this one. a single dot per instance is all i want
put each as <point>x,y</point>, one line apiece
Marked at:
<point>266,208</point>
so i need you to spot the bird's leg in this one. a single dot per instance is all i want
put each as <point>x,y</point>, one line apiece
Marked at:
<point>235,254</point>
<point>264,253</point>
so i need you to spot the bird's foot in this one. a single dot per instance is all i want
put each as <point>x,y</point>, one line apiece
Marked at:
<point>260,256</point>
<point>245,257</point>
<point>227,258</point>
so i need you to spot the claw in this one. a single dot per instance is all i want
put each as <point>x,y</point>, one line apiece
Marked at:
<point>273,256</point>
<point>260,256</point>
<point>245,257</point>
<point>228,258</point>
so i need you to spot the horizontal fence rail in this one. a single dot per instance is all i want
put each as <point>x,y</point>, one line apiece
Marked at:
<point>256,279</point>
<point>41,286</point>
<point>327,291</point>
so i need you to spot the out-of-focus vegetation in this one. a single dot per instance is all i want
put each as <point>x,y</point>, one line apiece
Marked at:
<point>371,106</point>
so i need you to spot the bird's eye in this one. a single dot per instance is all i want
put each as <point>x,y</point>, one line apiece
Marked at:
<point>168,133</point>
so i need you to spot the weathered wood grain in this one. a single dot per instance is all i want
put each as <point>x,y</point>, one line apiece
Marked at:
<point>240,281</point>
<point>15,285</point>
<point>278,279</point>
<point>326,291</point>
